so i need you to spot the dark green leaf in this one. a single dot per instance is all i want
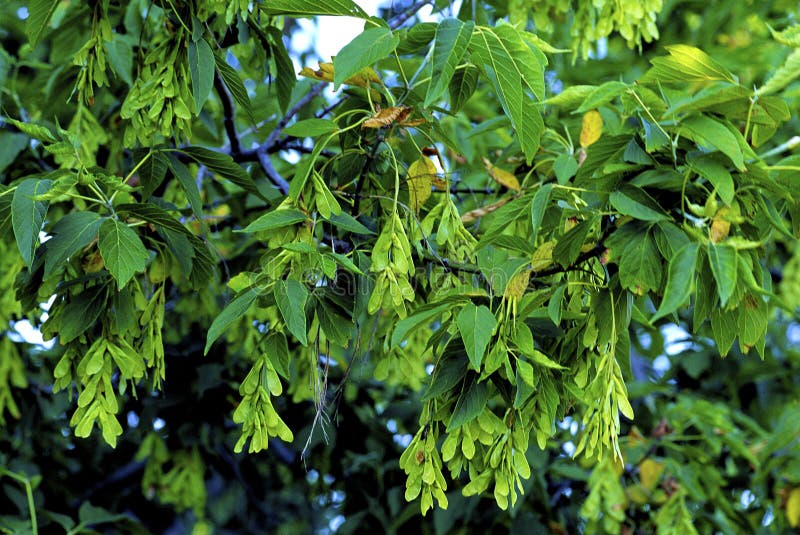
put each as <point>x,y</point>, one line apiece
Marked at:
<point>201,69</point>
<point>640,267</point>
<point>234,85</point>
<point>568,248</point>
<point>470,404</point>
<point>72,233</point>
<point>347,222</point>
<point>189,186</point>
<point>224,166</point>
<point>710,168</point>
<point>634,202</point>
<point>231,313</point>
<point>450,44</point>
<point>285,78</point>
<point>27,215</point>
<point>462,86</point>
<point>538,207</point>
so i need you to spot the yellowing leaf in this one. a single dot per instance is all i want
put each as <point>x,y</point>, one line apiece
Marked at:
<point>793,507</point>
<point>387,116</point>
<point>592,128</point>
<point>649,473</point>
<point>542,257</point>
<point>362,78</point>
<point>420,176</point>
<point>501,176</point>
<point>517,285</point>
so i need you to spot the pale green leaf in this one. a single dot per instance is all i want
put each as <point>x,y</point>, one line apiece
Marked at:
<point>709,132</point>
<point>476,324</point>
<point>39,14</point>
<point>785,74</point>
<point>291,296</point>
<point>311,128</point>
<point>275,220</point>
<point>310,8</point>
<point>686,64</point>
<point>679,280</point>
<point>367,48</point>
<point>724,265</point>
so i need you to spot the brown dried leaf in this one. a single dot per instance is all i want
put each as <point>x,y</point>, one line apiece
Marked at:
<point>387,116</point>
<point>472,215</point>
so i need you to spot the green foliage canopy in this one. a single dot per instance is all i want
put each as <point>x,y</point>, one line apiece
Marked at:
<point>449,280</point>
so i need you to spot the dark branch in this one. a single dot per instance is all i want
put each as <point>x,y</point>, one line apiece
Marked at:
<point>400,19</point>
<point>228,118</point>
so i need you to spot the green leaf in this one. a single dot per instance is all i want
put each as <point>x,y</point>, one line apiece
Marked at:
<point>724,265</point>
<point>538,207</point>
<point>476,324</point>
<point>11,144</point>
<point>679,280</point>
<point>224,166</point>
<point>285,78</point>
<point>122,250</point>
<point>565,167</point>
<point>275,220</point>
<point>347,222</point>
<point>27,215</point>
<point>72,233</point>
<point>367,48</point>
<point>543,360</point>
<point>710,168</point>
<point>39,14</point>
<point>89,515</point>
<point>291,296</point>
<point>602,94</point>
<point>311,128</point>
<point>310,8</point>
<point>513,68</point>
<point>711,133</point>
<point>785,74</point>
<point>201,69</point>
<point>446,375</point>
<point>686,64</point>
<point>120,57</point>
<point>462,86</point>
<point>234,310</point>
<point>568,248</point>
<point>234,84</point>
<point>81,313</point>
<point>421,317</point>
<point>188,185</point>
<point>634,202</point>
<point>470,404</point>
<point>640,266</point>
<point>152,171</point>
<point>449,46</point>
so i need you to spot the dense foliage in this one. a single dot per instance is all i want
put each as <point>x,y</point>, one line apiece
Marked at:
<point>449,261</point>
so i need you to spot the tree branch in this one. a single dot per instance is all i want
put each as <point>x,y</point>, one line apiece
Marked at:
<point>228,118</point>
<point>400,19</point>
